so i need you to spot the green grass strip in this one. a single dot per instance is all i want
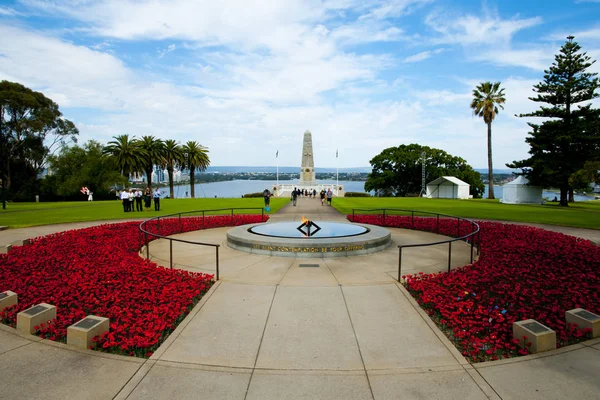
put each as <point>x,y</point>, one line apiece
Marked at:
<point>582,214</point>
<point>20,215</point>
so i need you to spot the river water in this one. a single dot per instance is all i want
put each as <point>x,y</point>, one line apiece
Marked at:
<point>238,188</point>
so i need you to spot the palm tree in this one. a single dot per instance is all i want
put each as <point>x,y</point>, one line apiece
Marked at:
<point>487,97</point>
<point>151,150</point>
<point>126,153</point>
<point>196,157</point>
<point>174,157</point>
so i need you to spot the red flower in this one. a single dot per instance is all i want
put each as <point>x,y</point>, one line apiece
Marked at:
<point>522,272</point>
<point>98,271</point>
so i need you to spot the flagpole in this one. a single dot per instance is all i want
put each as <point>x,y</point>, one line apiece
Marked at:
<point>277,157</point>
<point>337,171</point>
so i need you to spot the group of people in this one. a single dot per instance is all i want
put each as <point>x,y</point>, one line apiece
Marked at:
<point>88,193</point>
<point>306,192</point>
<point>132,199</point>
<point>312,194</point>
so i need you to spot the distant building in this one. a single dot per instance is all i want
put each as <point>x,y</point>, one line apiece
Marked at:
<point>158,175</point>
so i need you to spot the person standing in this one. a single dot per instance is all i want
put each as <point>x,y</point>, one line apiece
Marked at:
<point>156,197</point>
<point>267,197</point>
<point>322,194</point>
<point>131,200</point>
<point>138,200</point>
<point>329,196</point>
<point>294,197</point>
<point>125,200</point>
<point>147,199</point>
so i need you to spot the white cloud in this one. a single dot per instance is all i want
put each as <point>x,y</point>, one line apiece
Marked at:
<point>255,110</point>
<point>366,33</point>
<point>9,12</point>
<point>594,54</point>
<point>424,55</point>
<point>488,38</point>
<point>592,33</point>
<point>394,8</point>
<point>244,122</point>
<point>443,97</point>
<point>476,30</point>
<point>274,69</point>
<point>75,74</point>
<point>170,48</point>
<point>247,22</point>
<point>536,58</point>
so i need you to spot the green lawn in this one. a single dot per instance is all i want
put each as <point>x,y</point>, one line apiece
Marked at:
<point>582,214</point>
<point>19,215</point>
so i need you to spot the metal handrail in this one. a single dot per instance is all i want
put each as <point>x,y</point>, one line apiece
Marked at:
<point>449,241</point>
<point>179,214</point>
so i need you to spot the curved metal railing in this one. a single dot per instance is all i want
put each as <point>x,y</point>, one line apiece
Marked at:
<point>472,235</point>
<point>144,230</point>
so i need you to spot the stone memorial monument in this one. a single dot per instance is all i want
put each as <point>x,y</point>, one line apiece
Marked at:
<point>308,177</point>
<point>307,169</point>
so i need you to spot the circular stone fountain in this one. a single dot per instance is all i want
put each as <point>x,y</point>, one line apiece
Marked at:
<point>321,239</point>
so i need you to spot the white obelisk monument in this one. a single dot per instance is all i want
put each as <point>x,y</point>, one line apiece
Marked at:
<point>308,177</point>
<point>307,169</point>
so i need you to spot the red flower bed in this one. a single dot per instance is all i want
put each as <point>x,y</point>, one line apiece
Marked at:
<point>98,271</point>
<point>523,272</point>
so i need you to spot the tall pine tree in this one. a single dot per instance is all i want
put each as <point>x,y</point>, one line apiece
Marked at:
<point>569,136</point>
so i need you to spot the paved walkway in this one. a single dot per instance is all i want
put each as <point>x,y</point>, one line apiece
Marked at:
<point>271,329</point>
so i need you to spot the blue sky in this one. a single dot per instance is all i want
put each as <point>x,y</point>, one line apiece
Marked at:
<point>247,78</point>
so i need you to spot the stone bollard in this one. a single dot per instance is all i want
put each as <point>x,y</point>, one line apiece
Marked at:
<point>82,332</point>
<point>35,316</point>
<point>21,242</point>
<point>8,299</point>
<point>584,319</point>
<point>5,249</point>
<point>541,337</point>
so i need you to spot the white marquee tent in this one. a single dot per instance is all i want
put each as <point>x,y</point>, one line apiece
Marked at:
<point>448,187</point>
<point>519,192</point>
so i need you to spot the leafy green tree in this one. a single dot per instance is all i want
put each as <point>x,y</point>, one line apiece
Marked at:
<point>570,134</point>
<point>588,174</point>
<point>31,128</point>
<point>75,167</point>
<point>173,157</point>
<point>397,170</point>
<point>152,153</point>
<point>126,154</point>
<point>196,158</point>
<point>487,97</point>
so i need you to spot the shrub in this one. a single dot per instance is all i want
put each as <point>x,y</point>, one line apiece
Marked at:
<point>357,194</point>
<point>250,195</point>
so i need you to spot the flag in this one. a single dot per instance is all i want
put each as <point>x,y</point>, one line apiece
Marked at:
<point>336,153</point>
<point>277,154</point>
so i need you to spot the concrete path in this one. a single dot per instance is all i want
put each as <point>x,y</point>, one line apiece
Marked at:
<point>271,329</point>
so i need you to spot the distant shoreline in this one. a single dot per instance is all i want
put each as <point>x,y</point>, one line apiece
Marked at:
<point>288,169</point>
